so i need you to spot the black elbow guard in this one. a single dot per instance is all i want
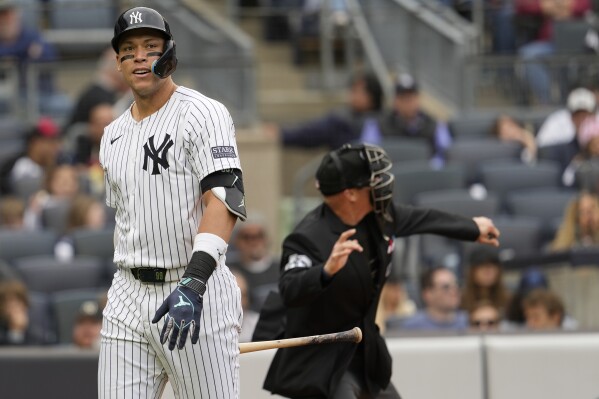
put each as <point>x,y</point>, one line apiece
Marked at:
<point>227,186</point>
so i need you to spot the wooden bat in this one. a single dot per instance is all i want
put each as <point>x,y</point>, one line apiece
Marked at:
<point>353,335</point>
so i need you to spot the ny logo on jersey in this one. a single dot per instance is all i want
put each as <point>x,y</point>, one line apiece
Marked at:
<point>158,155</point>
<point>135,17</point>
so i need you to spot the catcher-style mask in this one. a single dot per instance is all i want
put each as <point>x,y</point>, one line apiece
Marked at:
<point>355,166</point>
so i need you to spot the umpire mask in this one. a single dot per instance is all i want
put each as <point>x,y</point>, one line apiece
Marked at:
<point>359,165</point>
<point>381,180</point>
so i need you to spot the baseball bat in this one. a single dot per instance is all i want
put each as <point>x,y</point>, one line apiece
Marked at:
<point>353,335</point>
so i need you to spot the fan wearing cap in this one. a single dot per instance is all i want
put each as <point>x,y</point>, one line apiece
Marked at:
<point>41,153</point>
<point>333,267</point>
<point>407,119</point>
<point>561,126</point>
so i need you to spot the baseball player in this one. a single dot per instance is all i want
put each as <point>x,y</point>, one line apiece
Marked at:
<point>173,174</point>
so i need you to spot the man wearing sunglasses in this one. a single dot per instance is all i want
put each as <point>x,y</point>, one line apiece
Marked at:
<point>441,296</point>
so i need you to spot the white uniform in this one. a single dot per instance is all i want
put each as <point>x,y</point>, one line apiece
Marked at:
<point>153,170</point>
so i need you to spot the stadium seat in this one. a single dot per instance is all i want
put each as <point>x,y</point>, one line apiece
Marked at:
<point>504,178</point>
<point>405,150</point>
<point>81,14</point>
<point>471,154</point>
<point>66,304</point>
<point>412,179</point>
<point>545,205</point>
<point>46,274</point>
<point>16,244</point>
<point>41,325</point>
<point>459,202</point>
<point>25,187</point>
<point>520,236</point>
<point>98,243</point>
<point>472,126</point>
<point>54,216</point>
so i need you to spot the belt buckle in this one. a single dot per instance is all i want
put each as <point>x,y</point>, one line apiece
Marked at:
<point>151,275</point>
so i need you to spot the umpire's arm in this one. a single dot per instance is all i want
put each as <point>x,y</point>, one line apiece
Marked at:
<point>301,278</point>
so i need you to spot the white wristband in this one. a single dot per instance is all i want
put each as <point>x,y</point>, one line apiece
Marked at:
<point>212,244</point>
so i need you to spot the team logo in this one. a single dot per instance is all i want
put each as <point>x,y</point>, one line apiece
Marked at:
<point>182,302</point>
<point>158,155</point>
<point>135,17</point>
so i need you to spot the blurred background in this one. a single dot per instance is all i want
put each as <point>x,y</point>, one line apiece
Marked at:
<point>486,107</point>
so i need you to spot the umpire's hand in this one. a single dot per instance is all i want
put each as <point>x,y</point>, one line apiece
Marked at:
<point>183,310</point>
<point>489,234</point>
<point>341,251</point>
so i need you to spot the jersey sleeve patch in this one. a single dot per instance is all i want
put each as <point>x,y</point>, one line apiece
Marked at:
<point>225,151</point>
<point>297,260</point>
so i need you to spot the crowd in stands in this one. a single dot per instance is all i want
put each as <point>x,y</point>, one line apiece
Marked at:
<point>53,183</point>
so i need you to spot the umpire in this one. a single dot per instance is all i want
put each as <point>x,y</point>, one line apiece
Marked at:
<point>333,267</point>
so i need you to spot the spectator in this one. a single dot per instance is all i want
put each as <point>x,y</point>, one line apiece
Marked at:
<point>14,314</point>
<point>544,310</point>
<point>107,88</point>
<point>394,303</point>
<point>250,317</point>
<point>484,317</point>
<point>588,142</point>
<point>43,146</point>
<point>508,129</point>
<point>580,224</point>
<point>365,102</point>
<point>85,213</point>
<point>543,13</point>
<point>84,138</point>
<point>561,126</point>
<point>23,44</point>
<point>88,323</point>
<point>531,279</point>
<point>441,297</point>
<point>484,280</point>
<point>12,211</point>
<point>254,261</point>
<point>408,120</point>
<point>61,184</point>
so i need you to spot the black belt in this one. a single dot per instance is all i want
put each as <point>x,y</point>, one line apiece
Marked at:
<point>149,274</point>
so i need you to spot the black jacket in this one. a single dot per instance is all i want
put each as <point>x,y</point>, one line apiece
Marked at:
<point>315,306</point>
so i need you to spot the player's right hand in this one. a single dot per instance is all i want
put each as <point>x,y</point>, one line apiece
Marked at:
<point>183,311</point>
<point>341,251</point>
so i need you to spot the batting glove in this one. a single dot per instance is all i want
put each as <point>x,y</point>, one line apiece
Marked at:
<point>183,310</point>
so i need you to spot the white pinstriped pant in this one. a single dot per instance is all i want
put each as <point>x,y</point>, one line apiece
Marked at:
<point>133,363</point>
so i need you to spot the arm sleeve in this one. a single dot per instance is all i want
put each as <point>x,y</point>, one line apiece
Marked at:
<point>300,282</point>
<point>412,220</point>
<point>210,143</point>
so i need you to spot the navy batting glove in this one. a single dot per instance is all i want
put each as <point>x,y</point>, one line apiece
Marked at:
<point>183,310</point>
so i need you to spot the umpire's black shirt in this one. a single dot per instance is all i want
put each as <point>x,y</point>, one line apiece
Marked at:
<point>349,299</point>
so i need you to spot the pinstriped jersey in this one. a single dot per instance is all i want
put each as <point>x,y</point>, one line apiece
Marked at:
<point>152,171</point>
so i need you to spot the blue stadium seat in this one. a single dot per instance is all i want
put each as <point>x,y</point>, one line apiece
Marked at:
<point>46,274</point>
<point>16,244</point>
<point>412,179</point>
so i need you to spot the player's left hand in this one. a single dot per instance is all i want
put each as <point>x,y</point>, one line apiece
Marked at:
<point>183,310</point>
<point>489,234</point>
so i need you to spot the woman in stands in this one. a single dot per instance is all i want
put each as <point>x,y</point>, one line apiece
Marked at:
<point>580,225</point>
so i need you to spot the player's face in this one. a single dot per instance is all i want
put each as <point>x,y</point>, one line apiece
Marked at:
<point>137,51</point>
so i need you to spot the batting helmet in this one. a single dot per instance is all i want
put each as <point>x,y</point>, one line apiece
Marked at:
<point>144,17</point>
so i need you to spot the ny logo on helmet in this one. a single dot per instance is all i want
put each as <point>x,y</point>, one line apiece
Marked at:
<point>158,155</point>
<point>135,17</point>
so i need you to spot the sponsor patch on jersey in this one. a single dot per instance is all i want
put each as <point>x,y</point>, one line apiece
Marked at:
<point>225,151</point>
<point>297,260</point>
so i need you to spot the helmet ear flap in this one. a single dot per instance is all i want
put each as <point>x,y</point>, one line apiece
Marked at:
<point>167,63</point>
